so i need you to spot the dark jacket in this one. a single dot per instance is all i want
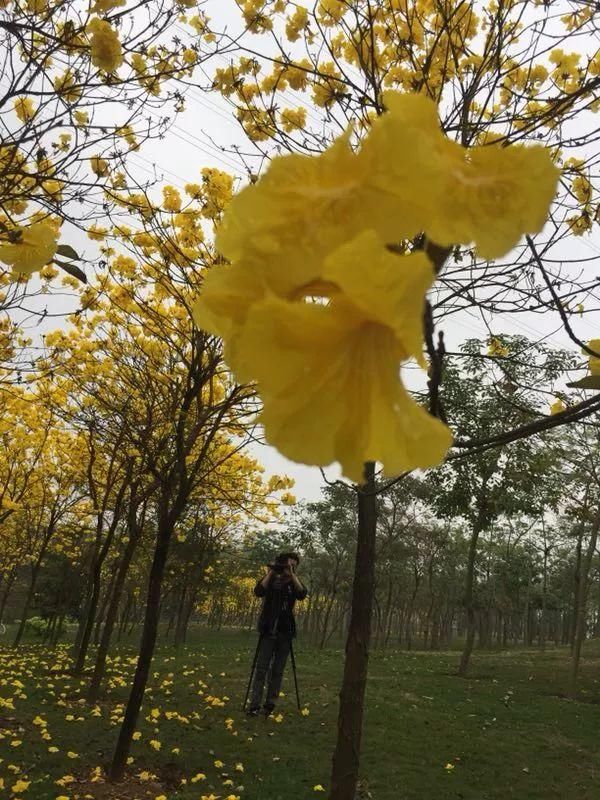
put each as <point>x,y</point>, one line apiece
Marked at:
<point>277,613</point>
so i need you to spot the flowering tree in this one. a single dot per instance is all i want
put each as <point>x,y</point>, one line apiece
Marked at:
<point>84,87</point>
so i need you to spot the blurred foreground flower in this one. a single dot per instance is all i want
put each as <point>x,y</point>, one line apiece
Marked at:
<point>318,306</point>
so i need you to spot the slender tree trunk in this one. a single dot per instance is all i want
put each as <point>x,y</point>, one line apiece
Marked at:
<point>50,623</point>
<point>543,621</point>
<point>576,589</point>
<point>469,604</point>
<point>101,615</point>
<point>188,615</point>
<point>390,621</point>
<point>148,642</point>
<point>124,617</point>
<point>31,591</point>
<point>58,630</point>
<point>409,621</point>
<point>326,620</point>
<point>96,581</point>
<point>111,613</point>
<point>178,637</point>
<point>171,623</point>
<point>527,614</point>
<point>387,614</point>
<point>6,593</point>
<point>27,606</point>
<point>580,619</point>
<point>346,758</point>
<point>82,618</point>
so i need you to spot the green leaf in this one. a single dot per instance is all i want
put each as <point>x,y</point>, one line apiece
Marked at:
<point>67,251</point>
<point>589,382</point>
<point>72,270</point>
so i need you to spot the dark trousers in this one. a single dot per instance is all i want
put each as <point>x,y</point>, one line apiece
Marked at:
<point>272,655</point>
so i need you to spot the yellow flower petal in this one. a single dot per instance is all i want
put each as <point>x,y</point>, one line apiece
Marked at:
<point>227,293</point>
<point>594,363</point>
<point>33,250</point>
<point>329,380</point>
<point>386,287</point>
<point>304,207</point>
<point>492,196</point>
<point>487,195</point>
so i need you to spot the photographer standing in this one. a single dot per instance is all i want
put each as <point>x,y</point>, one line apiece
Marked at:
<point>277,627</point>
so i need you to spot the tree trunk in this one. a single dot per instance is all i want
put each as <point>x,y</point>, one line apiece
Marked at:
<point>327,616</point>
<point>346,758</point>
<point>31,591</point>
<point>543,622</point>
<point>124,616</point>
<point>469,604</point>
<point>50,623</point>
<point>112,612</point>
<point>188,615</point>
<point>96,581</point>
<point>527,613</point>
<point>580,621</point>
<point>576,589</point>
<point>178,637</point>
<point>101,615</point>
<point>27,606</point>
<point>147,644</point>
<point>5,595</point>
<point>58,630</point>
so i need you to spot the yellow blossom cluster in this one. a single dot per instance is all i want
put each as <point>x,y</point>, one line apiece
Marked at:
<point>106,51</point>
<point>24,108</point>
<point>496,348</point>
<point>320,313</point>
<point>582,191</point>
<point>292,119</point>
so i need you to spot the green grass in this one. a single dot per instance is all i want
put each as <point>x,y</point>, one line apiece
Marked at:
<point>506,730</point>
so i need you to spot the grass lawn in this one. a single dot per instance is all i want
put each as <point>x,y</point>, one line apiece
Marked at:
<point>506,732</point>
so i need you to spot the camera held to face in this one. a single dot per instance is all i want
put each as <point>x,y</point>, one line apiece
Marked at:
<point>279,565</point>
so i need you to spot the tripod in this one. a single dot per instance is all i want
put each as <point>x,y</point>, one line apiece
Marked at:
<point>255,659</point>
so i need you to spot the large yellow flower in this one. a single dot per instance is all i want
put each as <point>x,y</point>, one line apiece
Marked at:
<point>106,51</point>
<point>328,371</point>
<point>406,154</point>
<point>32,249</point>
<point>320,313</point>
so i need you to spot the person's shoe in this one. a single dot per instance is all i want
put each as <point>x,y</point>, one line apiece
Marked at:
<point>253,711</point>
<point>268,708</point>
